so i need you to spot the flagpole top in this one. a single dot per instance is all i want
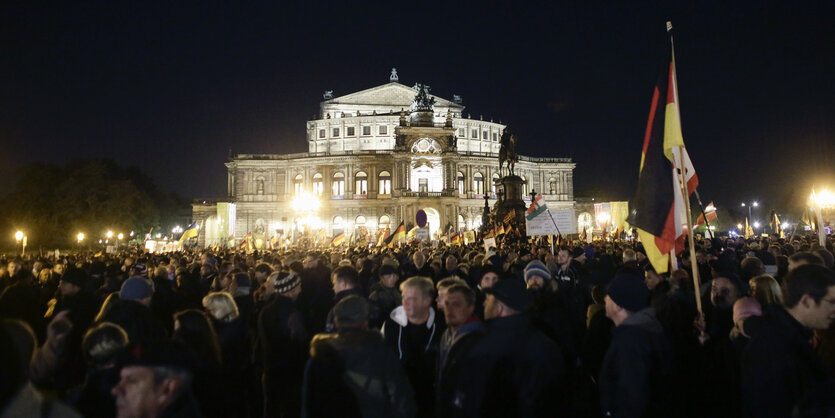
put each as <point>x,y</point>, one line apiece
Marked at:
<point>669,26</point>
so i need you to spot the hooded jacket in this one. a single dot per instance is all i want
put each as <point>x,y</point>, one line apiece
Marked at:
<point>637,370</point>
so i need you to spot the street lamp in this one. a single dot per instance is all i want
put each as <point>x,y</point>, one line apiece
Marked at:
<point>20,237</point>
<point>80,237</point>
<point>121,236</point>
<point>819,201</point>
<point>109,234</point>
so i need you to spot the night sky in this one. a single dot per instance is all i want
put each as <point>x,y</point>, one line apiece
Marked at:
<point>171,88</point>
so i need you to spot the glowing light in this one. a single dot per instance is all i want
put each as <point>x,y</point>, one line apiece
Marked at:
<point>18,235</point>
<point>80,237</point>
<point>131,233</point>
<point>739,227</point>
<point>755,204</point>
<point>305,202</point>
<point>786,225</point>
<point>121,236</point>
<point>109,234</point>
<point>822,199</point>
<point>756,224</point>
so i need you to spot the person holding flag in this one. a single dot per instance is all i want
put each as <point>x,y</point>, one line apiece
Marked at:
<point>190,232</point>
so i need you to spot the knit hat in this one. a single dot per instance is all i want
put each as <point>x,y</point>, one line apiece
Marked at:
<point>629,292</point>
<point>537,268</point>
<point>286,281</point>
<point>136,288</point>
<point>140,270</point>
<point>387,269</point>
<point>243,280</point>
<point>745,307</point>
<point>75,276</point>
<point>511,292</point>
<point>351,310</point>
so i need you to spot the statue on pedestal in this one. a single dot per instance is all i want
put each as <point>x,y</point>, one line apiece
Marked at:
<point>507,152</point>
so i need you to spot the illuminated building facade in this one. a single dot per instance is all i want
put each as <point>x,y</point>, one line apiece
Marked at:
<point>376,157</point>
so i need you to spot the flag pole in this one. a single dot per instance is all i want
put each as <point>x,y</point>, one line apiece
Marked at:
<point>694,265</point>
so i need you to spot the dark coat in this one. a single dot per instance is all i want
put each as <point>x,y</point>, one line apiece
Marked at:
<point>330,326</point>
<point>283,347</point>
<point>636,376</point>
<point>385,299</point>
<point>779,366</point>
<point>514,371</point>
<point>410,270</point>
<point>449,365</point>
<point>355,374</point>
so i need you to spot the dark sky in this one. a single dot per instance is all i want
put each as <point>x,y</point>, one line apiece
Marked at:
<point>172,87</point>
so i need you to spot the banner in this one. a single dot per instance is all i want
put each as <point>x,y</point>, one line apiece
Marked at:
<point>544,223</point>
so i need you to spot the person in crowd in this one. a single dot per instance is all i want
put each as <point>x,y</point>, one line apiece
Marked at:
<point>262,272</point>
<point>779,365</point>
<point>441,289</point>
<point>208,275</point>
<point>463,331</point>
<point>194,330</point>
<point>514,370</point>
<point>384,294</point>
<point>234,347</point>
<point>451,268</point>
<point>346,282</point>
<point>415,332</point>
<point>766,290</point>
<point>353,372</point>
<point>489,276</point>
<point>418,267</point>
<point>102,345</point>
<point>636,374</point>
<point>744,308</point>
<point>803,257</point>
<point>155,381</point>
<point>316,298</point>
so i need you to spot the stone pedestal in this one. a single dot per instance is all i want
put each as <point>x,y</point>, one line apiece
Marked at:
<point>509,190</point>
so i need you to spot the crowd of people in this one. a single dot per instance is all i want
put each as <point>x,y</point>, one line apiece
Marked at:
<point>584,329</point>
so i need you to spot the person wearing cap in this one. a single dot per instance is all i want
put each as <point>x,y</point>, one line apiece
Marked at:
<point>353,372</point>
<point>636,373</point>
<point>515,370</point>
<point>155,381</point>
<point>415,332</point>
<point>282,343</point>
<point>384,293</point>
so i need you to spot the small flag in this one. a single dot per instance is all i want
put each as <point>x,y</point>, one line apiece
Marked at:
<point>190,232</point>
<point>710,211</point>
<point>500,231</point>
<point>399,234</point>
<point>510,215</point>
<point>536,208</point>
<point>338,240</point>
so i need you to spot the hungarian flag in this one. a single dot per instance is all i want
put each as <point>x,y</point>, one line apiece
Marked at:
<point>536,208</point>
<point>710,212</point>
<point>338,240</point>
<point>659,212</point>
<point>510,215</point>
<point>399,234</point>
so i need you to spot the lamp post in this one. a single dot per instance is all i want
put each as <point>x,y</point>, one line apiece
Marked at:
<point>750,215</point>
<point>819,201</point>
<point>20,237</point>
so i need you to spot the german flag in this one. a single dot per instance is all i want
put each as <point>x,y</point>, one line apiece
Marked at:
<point>399,234</point>
<point>658,204</point>
<point>500,231</point>
<point>509,217</point>
<point>338,240</point>
<point>454,238</point>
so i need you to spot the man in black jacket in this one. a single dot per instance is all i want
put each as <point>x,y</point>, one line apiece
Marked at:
<point>779,365</point>
<point>636,373</point>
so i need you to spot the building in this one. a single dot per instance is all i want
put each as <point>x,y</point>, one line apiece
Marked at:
<point>375,157</point>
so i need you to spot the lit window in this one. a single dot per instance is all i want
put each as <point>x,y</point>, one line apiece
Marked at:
<point>460,182</point>
<point>335,133</point>
<point>318,184</point>
<point>478,183</point>
<point>524,186</point>
<point>384,130</point>
<point>361,181</point>
<point>423,185</point>
<point>385,183</point>
<point>366,130</point>
<point>349,131</point>
<point>495,177</point>
<point>338,184</point>
<point>298,185</point>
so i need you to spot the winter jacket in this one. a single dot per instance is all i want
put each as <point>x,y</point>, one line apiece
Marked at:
<point>637,371</point>
<point>330,325</point>
<point>454,348</point>
<point>417,348</point>
<point>385,298</point>
<point>779,366</point>
<point>513,371</point>
<point>283,346</point>
<point>355,374</point>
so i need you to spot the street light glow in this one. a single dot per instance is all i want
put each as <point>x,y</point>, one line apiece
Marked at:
<point>305,202</point>
<point>739,227</point>
<point>756,204</point>
<point>80,237</point>
<point>109,234</point>
<point>823,198</point>
<point>120,236</point>
<point>18,235</point>
<point>756,224</point>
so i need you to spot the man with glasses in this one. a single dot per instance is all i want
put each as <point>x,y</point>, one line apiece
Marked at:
<point>780,370</point>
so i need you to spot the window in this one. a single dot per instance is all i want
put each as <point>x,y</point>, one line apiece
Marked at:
<point>385,183</point>
<point>423,185</point>
<point>384,222</point>
<point>298,184</point>
<point>383,130</point>
<point>361,182</point>
<point>338,225</point>
<point>478,183</point>
<point>462,132</point>
<point>349,131</point>
<point>335,133</point>
<point>552,184</point>
<point>321,133</point>
<point>366,130</point>
<point>495,137</point>
<point>495,178</point>
<point>484,135</point>
<point>524,186</point>
<point>338,184</point>
<point>318,185</point>
<point>460,180</point>
<point>474,133</point>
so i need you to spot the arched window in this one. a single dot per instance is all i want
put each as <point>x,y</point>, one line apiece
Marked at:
<point>360,221</point>
<point>552,185</point>
<point>495,178</point>
<point>298,184</point>
<point>460,181</point>
<point>462,224</point>
<point>385,183</point>
<point>478,183</point>
<point>385,222</point>
<point>338,184</point>
<point>318,186</point>
<point>338,225</point>
<point>361,183</point>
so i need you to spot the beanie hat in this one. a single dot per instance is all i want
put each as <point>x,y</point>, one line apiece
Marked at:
<point>629,292</point>
<point>75,276</point>
<point>537,268</point>
<point>512,293</point>
<point>286,282</point>
<point>136,288</point>
<point>745,307</point>
<point>140,270</point>
<point>243,280</point>
<point>351,310</point>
